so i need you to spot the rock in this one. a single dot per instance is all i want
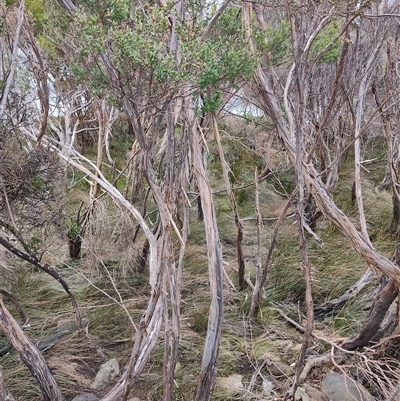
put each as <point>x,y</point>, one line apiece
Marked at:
<point>315,394</point>
<point>232,383</point>
<point>277,368</point>
<point>342,388</point>
<point>301,395</point>
<point>85,397</point>
<point>108,371</point>
<point>267,386</point>
<point>283,344</point>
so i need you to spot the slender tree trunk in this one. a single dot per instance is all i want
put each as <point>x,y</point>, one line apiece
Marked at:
<point>261,278</point>
<point>5,395</point>
<point>74,247</point>
<point>13,61</point>
<point>232,199</point>
<point>396,211</point>
<point>215,317</point>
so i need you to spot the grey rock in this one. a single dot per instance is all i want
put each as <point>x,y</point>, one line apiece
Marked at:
<point>108,371</point>
<point>342,388</point>
<point>267,386</point>
<point>301,395</point>
<point>85,397</point>
<point>277,368</point>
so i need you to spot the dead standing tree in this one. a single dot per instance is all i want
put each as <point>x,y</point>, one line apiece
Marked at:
<point>295,98</point>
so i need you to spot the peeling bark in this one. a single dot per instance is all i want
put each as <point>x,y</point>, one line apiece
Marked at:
<point>5,395</point>
<point>215,317</point>
<point>31,356</point>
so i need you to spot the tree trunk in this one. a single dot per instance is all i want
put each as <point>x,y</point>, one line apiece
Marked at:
<point>396,212</point>
<point>375,317</point>
<point>30,355</point>
<point>215,317</point>
<point>232,199</point>
<point>74,247</point>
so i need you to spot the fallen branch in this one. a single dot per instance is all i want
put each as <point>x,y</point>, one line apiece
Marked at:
<point>320,359</point>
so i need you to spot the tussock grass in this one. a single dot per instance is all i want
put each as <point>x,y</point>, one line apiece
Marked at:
<point>110,256</point>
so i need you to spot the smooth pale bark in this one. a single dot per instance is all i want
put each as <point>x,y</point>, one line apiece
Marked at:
<point>215,268</point>
<point>232,199</point>
<point>30,355</point>
<point>40,74</point>
<point>363,88</point>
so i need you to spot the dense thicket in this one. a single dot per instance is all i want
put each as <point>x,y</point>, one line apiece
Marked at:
<point>125,99</point>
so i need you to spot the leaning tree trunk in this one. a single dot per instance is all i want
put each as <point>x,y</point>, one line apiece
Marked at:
<point>30,355</point>
<point>371,328</point>
<point>372,323</point>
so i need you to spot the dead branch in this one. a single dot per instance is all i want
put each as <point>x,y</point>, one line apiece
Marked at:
<point>33,260</point>
<point>256,298</point>
<point>31,356</point>
<point>18,307</point>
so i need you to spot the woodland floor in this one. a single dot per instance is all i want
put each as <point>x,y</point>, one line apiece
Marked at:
<point>251,350</point>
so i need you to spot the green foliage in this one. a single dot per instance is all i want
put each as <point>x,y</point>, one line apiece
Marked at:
<point>47,45</point>
<point>74,229</point>
<point>274,42</point>
<point>322,40</point>
<point>37,10</point>
<point>137,44</point>
<point>219,61</point>
<point>211,103</point>
<point>34,243</point>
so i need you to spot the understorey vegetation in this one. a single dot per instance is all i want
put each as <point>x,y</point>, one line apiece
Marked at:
<point>205,195</point>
